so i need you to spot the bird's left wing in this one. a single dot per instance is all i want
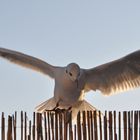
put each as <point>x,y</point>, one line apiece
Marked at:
<point>117,76</point>
<point>27,61</point>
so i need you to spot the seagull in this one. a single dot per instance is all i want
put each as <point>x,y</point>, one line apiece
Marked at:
<point>72,82</point>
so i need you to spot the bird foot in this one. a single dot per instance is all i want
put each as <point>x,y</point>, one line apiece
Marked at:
<point>58,110</point>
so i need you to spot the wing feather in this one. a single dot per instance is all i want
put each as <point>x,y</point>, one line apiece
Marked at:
<point>27,61</point>
<point>114,77</point>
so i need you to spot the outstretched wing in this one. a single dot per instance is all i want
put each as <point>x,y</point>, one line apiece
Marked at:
<point>27,61</point>
<point>116,76</point>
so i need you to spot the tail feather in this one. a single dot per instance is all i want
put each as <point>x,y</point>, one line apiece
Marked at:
<point>79,106</point>
<point>47,105</point>
<point>82,106</point>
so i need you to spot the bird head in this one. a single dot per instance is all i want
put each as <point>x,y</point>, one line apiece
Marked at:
<point>73,71</point>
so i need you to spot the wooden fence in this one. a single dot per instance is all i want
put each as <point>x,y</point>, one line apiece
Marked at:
<point>59,126</point>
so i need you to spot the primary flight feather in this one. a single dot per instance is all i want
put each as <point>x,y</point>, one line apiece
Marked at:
<point>71,81</point>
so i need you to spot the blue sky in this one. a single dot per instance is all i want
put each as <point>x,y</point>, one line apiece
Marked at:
<point>89,33</point>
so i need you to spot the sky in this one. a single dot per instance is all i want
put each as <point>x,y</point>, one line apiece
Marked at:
<point>89,33</point>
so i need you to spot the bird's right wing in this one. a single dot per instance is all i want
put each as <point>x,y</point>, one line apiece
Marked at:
<point>27,61</point>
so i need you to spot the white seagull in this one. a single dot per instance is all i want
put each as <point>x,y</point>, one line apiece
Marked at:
<point>72,82</point>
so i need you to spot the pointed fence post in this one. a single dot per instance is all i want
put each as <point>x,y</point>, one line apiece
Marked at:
<point>125,124</point>
<point>119,131</point>
<point>9,133</point>
<point>15,124</point>
<point>79,126</point>
<point>3,127</point>
<point>21,125</point>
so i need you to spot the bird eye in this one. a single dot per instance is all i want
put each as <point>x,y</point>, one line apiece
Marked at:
<point>66,71</point>
<point>70,73</point>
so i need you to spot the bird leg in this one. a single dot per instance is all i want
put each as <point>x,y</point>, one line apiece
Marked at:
<point>55,108</point>
<point>58,110</point>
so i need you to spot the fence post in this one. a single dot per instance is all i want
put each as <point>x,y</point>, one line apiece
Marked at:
<point>9,133</point>
<point>25,126</point>
<point>130,125</point>
<point>3,127</point>
<point>115,135</point>
<point>136,125</point>
<point>33,129</point>
<point>59,126</point>
<point>52,124</point>
<point>89,125</point>
<point>84,125</point>
<point>105,126</point>
<point>125,124</point>
<point>91,121</point>
<point>75,132</point>
<point>45,126</point>
<point>119,131</point>
<point>110,126</point>
<point>56,126</point>
<point>79,126</point>
<point>65,126</point>
<point>29,136</point>
<point>100,124</point>
<point>70,127</point>
<point>14,124</point>
<point>39,126</point>
<point>61,122</point>
<point>49,132</point>
<point>21,125</point>
<point>95,126</point>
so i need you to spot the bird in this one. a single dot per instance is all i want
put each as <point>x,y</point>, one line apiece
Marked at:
<point>72,81</point>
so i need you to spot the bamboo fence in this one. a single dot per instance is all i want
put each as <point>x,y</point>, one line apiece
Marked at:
<point>59,126</point>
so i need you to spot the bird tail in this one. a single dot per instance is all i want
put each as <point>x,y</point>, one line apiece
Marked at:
<point>47,105</point>
<point>84,106</point>
<point>78,107</point>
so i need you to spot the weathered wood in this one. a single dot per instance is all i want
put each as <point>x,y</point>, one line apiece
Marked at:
<point>119,130</point>
<point>9,133</point>
<point>75,134</point>
<point>70,127</point>
<point>33,128</point>
<point>79,126</point>
<point>91,121</point>
<point>65,125</point>
<point>30,129</point>
<point>129,126</point>
<point>105,126</point>
<point>136,125</point>
<point>49,131</point>
<point>61,122</point>
<point>39,127</point>
<point>139,123</point>
<point>84,125</point>
<point>100,124</point>
<point>95,126</point>
<point>60,126</point>
<point>45,126</point>
<point>115,135</point>
<point>25,126</point>
<point>21,125</point>
<point>56,126</point>
<point>88,125</point>
<point>2,126</point>
<point>110,126</point>
<point>14,124</point>
<point>125,124</point>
